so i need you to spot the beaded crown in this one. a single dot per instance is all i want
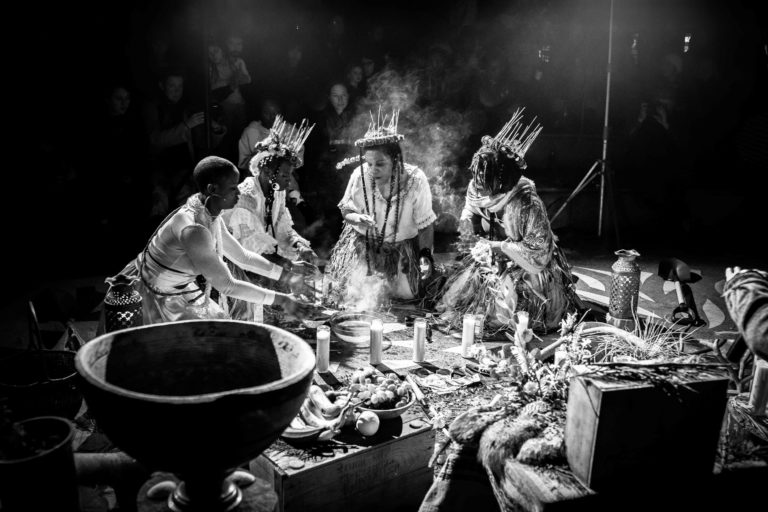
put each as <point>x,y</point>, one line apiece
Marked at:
<point>381,130</point>
<point>285,141</point>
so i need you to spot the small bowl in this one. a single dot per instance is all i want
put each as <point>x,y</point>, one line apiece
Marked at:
<point>323,317</point>
<point>388,414</point>
<point>353,327</point>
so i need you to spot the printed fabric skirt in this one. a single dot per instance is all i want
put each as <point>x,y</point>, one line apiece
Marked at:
<point>477,289</point>
<point>185,302</point>
<point>357,275</point>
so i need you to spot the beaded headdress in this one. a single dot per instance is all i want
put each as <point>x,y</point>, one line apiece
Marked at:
<point>513,139</point>
<point>285,141</point>
<point>381,131</point>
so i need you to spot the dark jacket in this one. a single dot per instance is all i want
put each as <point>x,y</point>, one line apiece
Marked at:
<point>746,296</point>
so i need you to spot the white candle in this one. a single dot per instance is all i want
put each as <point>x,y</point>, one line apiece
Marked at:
<point>467,334</point>
<point>758,397</point>
<point>377,335</point>
<point>323,348</point>
<point>419,339</point>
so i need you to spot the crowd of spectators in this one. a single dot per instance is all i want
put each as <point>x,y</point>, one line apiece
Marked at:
<point>182,84</point>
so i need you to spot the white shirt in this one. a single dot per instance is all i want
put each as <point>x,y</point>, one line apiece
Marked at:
<point>415,203</point>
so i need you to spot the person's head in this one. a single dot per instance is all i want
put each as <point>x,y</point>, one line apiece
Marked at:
<point>118,100</point>
<point>383,161</point>
<point>354,75</point>
<point>368,65</point>
<point>277,172</point>
<point>217,179</point>
<point>172,86</point>
<point>339,97</point>
<point>269,111</point>
<point>280,153</point>
<point>494,170</point>
<point>235,45</point>
<point>215,54</point>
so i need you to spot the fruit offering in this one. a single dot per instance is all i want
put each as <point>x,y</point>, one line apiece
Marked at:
<point>379,392</point>
<point>367,423</point>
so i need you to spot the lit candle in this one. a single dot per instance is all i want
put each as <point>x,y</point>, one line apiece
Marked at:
<point>323,348</point>
<point>377,335</point>
<point>467,335</point>
<point>419,339</point>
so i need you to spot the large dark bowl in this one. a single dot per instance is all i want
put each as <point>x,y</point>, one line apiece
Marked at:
<point>195,398</point>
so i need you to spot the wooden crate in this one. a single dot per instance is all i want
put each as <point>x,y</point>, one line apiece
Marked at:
<point>387,472</point>
<point>621,433</point>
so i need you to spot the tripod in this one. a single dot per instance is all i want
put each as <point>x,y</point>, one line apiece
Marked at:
<point>604,168</point>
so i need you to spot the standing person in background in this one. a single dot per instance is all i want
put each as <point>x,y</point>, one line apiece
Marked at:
<point>355,84</point>
<point>169,121</point>
<point>119,138</point>
<point>325,186</point>
<point>255,132</point>
<point>227,75</point>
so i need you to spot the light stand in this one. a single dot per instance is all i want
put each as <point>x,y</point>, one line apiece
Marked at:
<point>593,171</point>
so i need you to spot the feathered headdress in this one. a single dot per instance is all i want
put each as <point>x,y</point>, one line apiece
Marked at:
<point>513,139</point>
<point>381,131</point>
<point>285,141</point>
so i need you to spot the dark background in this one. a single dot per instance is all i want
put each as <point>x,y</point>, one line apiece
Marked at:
<point>718,122</point>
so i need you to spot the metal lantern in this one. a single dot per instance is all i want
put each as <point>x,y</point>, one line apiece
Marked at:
<point>625,288</point>
<point>122,304</point>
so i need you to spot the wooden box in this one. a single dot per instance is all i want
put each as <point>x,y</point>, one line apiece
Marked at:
<point>386,472</point>
<point>628,434</point>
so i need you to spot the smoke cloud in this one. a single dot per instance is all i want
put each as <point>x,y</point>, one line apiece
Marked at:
<point>437,137</point>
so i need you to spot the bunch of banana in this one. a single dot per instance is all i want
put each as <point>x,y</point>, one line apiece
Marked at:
<point>318,412</point>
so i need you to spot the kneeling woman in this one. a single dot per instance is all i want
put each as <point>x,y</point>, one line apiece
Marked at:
<point>388,217</point>
<point>515,264</point>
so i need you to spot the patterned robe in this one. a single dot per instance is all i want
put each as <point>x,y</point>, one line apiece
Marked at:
<point>530,274</point>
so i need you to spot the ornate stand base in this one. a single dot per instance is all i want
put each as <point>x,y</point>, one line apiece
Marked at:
<point>244,493</point>
<point>628,324</point>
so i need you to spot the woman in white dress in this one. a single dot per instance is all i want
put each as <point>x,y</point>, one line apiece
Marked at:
<point>388,223</point>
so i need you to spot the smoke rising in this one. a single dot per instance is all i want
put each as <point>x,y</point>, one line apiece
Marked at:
<point>364,292</point>
<point>437,137</point>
